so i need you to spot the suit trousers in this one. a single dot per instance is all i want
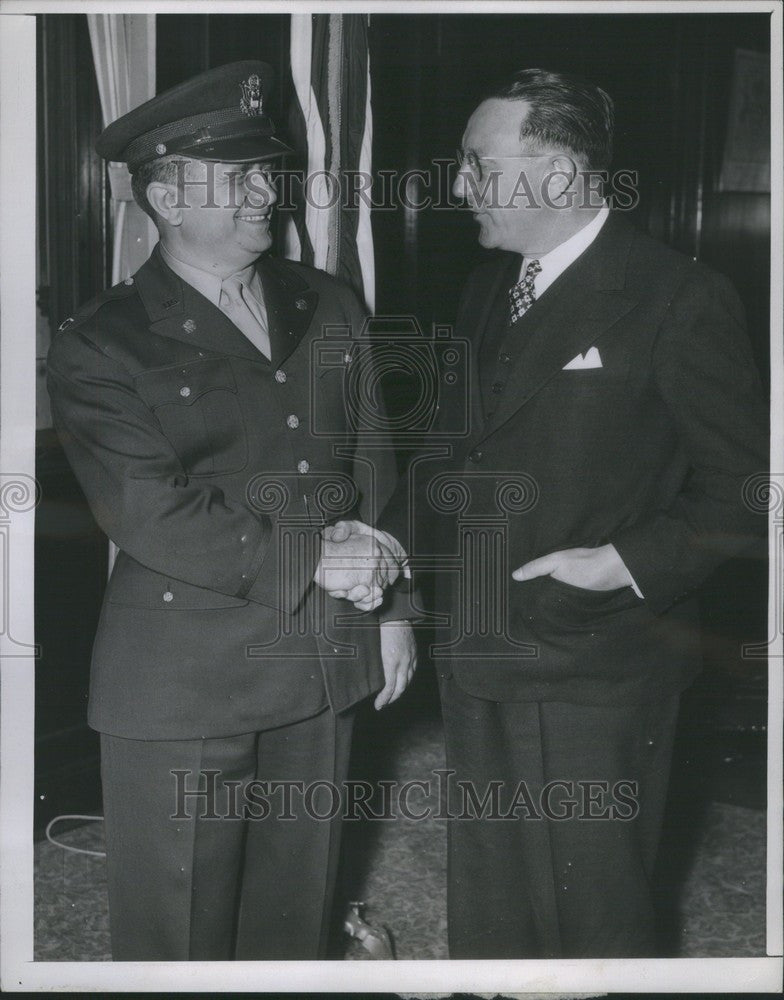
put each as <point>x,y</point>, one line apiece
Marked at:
<point>567,874</point>
<point>200,876</point>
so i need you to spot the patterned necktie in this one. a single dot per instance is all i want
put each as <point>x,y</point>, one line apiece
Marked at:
<point>245,313</point>
<point>523,295</point>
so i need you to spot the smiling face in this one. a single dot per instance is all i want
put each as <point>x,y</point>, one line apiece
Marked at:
<point>220,217</point>
<point>506,200</point>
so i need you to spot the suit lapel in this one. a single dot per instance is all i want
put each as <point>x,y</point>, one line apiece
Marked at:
<point>496,320</point>
<point>579,308</point>
<point>477,320</point>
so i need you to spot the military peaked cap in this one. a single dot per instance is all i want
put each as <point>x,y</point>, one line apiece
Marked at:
<point>218,116</point>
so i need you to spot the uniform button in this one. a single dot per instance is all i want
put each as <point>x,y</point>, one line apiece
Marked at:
<point>185,391</point>
<point>243,538</point>
<point>498,387</point>
<point>128,281</point>
<point>189,326</point>
<point>476,455</point>
<point>168,596</point>
<point>504,359</point>
<point>301,304</point>
<point>303,466</point>
<point>292,420</point>
<point>280,376</point>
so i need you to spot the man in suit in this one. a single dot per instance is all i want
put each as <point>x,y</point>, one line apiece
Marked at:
<point>186,399</point>
<point>615,414</point>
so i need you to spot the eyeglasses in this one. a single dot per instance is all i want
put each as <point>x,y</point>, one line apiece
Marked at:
<point>474,162</point>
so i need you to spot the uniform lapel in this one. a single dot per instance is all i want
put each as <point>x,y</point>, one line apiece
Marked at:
<point>579,308</point>
<point>178,311</point>
<point>291,304</point>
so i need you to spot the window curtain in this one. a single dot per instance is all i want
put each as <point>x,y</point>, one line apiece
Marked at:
<point>124,54</point>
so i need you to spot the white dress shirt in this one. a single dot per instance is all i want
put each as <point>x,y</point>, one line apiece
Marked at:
<point>554,263</point>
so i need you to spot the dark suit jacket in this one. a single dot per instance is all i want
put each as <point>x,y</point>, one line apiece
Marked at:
<point>650,451</point>
<point>188,445</point>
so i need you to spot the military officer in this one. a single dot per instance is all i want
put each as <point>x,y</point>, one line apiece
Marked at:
<point>186,399</point>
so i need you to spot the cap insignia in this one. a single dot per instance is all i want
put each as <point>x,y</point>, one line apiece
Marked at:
<point>251,96</point>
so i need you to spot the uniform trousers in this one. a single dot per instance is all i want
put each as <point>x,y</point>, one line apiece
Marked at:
<point>556,880</point>
<point>193,878</point>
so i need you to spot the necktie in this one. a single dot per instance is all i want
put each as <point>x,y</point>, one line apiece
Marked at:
<point>523,295</point>
<point>237,302</point>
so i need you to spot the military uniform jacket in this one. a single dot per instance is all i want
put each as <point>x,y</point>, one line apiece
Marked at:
<point>213,471</point>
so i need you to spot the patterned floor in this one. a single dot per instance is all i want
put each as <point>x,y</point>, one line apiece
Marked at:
<point>398,869</point>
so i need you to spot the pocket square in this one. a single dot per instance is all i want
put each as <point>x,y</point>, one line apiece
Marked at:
<point>591,359</point>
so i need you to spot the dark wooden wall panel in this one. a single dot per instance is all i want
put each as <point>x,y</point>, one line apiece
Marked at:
<point>192,43</point>
<point>72,186</point>
<point>70,551</point>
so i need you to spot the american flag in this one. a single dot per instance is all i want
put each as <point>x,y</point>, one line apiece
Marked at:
<point>331,127</point>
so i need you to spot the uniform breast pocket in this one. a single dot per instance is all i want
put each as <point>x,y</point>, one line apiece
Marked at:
<point>198,409</point>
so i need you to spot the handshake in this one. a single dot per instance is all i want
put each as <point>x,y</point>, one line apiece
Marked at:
<point>358,562</point>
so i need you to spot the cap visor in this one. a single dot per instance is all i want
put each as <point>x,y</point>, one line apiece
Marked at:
<point>241,149</point>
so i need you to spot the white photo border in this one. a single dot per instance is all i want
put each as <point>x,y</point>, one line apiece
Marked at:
<point>18,970</point>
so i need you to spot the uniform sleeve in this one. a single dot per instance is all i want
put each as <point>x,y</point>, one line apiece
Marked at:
<point>706,376</point>
<point>140,494</point>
